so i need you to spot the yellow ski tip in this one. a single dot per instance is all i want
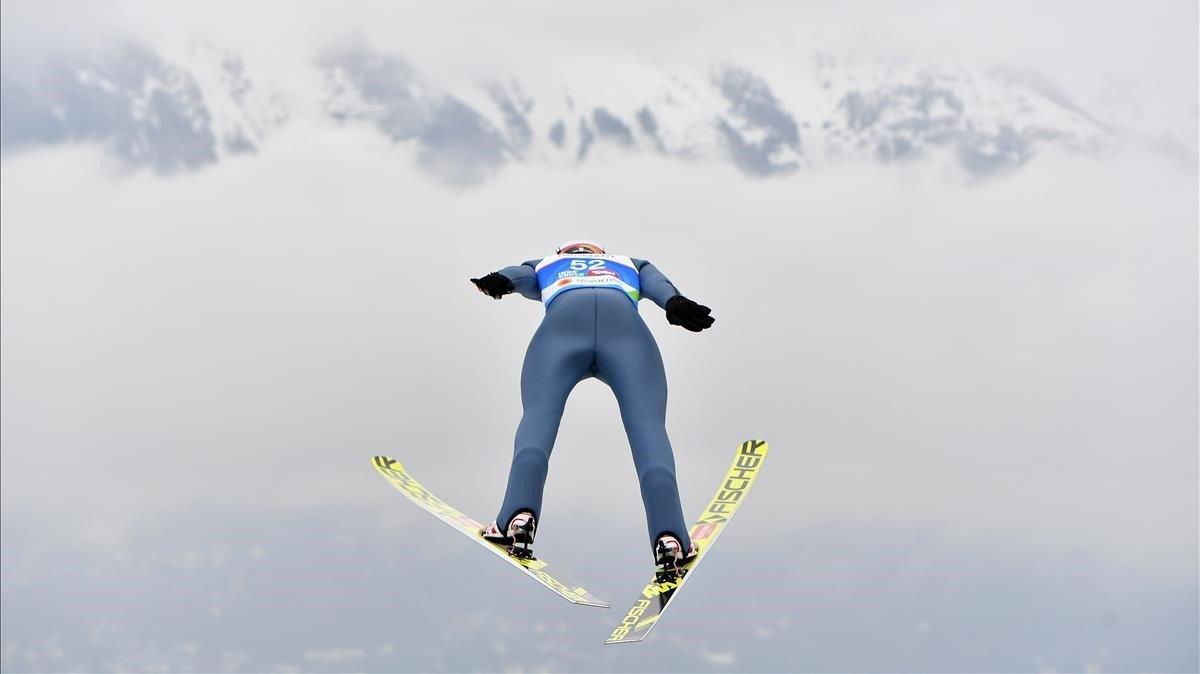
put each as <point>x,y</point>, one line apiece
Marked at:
<point>386,462</point>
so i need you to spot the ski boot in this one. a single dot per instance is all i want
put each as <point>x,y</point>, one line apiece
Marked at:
<point>518,538</point>
<point>669,557</point>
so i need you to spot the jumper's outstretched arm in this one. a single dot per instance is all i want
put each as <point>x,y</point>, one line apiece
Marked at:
<point>680,310</point>
<point>656,287</point>
<point>524,279</point>
<point>519,278</point>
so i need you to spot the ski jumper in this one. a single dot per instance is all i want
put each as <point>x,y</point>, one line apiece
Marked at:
<point>592,329</point>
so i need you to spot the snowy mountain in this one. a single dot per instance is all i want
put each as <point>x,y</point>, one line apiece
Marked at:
<point>145,110</point>
<point>173,116</point>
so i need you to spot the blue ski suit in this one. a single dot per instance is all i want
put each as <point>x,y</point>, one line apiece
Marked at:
<point>595,332</point>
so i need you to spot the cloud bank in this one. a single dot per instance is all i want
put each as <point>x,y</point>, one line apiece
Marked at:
<point>981,393</point>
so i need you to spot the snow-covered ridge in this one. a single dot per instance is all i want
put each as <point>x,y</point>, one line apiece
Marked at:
<point>168,116</point>
<point>172,116</point>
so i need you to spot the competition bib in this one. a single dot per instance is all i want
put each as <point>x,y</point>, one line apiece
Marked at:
<point>559,273</point>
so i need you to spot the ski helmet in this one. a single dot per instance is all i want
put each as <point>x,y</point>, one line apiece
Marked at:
<point>580,246</point>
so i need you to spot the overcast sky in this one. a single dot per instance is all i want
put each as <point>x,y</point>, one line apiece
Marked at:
<point>980,393</point>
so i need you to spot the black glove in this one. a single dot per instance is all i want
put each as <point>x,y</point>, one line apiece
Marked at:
<point>682,311</point>
<point>495,284</point>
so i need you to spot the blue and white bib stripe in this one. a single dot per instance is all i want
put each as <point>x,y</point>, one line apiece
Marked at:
<point>559,273</point>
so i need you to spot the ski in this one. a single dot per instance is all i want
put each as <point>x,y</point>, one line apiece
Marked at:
<point>535,568</point>
<point>650,605</point>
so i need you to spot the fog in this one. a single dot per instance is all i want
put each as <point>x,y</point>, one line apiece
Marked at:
<point>981,398</point>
